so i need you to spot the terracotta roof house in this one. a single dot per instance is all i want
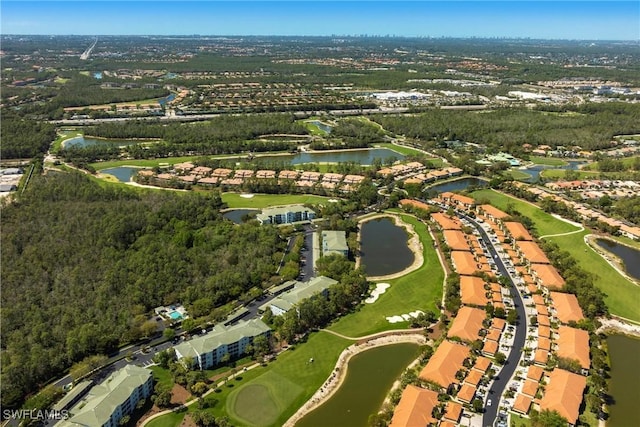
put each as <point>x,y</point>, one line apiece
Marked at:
<point>458,199</point>
<point>493,335</point>
<point>266,174</point>
<point>522,404</point>
<point>543,320</point>
<point>467,393</point>
<point>285,174</point>
<point>566,307</point>
<point>492,212</point>
<point>445,363</point>
<point>498,323</point>
<point>544,331</point>
<point>535,373</point>
<point>415,408</point>
<point>548,276</point>
<point>564,394</point>
<point>542,310</point>
<point>452,412</point>
<point>574,344</point>
<point>518,231</point>
<point>472,291</point>
<point>544,344</point>
<point>310,176</point>
<point>414,203</point>
<point>353,179</point>
<point>446,222</point>
<point>467,324</point>
<point>208,181</point>
<point>541,357</point>
<point>456,240</point>
<point>464,262</point>
<point>482,364</point>
<point>531,253</point>
<point>490,348</point>
<point>243,173</point>
<point>530,388</point>
<point>473,378</point>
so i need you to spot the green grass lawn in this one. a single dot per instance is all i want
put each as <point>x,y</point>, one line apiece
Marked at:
<point>551,161</point>
<point>562,173</point>
<point>519,421</point>
<point>622,295</point>
<point>162,376</point>
<point>170,420</point>
<point>545,223</point>
<point>406,151</point>
<point>312,128</point>
<point>517,174</point>
<point>419,290</point>
<point>233,200</point>
<point>290,381</point>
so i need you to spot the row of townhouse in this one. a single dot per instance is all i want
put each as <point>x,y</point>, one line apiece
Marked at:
<point>552,334</point>
<point>205,176</point>
<point>586,213</point>
<point>434,175</point>
<point>401,170</point>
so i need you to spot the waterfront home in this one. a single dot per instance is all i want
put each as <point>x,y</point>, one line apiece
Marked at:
<point>565,307</point>
<point>415,408</point>
<point>563,393</point>
<point>285,214</point>
<point>301,290</point>
<point>446,361</point>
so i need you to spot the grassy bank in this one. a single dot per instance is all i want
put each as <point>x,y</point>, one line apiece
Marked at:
<point>622,295</point>
<point>258,201</point>
<point>419,290</point>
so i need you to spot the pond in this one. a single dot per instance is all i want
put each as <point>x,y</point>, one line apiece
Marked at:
<point>123,173</point>
<point>625,381</point>
<point>370,377</point>
<point>363,157</point>
<point>236,215</point>
<point>457,185</point>
<point>383,247</point>
<point>322,126</point>
<point>82,142</point>
<point>534,171</point>
<point>630,256</point>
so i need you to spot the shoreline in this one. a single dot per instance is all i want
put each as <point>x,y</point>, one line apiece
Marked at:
<point>339,373</point>
<point>414,244</point>
<point>612,259</point>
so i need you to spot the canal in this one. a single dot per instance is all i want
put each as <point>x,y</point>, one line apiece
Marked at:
<point>383,247</point>
<point>625,381</point>
<point>630,256</point>
<point>370,377</point>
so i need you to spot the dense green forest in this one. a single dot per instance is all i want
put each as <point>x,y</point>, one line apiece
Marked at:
<point>24,138</point>
<point>591,126</point>
<point>84,264</point>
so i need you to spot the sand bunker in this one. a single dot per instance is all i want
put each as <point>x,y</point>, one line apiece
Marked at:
<point>404,317</point>
<point>380,289</point>
<point>246,196</point>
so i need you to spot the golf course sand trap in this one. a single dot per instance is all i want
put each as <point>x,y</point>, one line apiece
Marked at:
<point>380,289</point>
<point>404,317</point>
<point>246,196</point>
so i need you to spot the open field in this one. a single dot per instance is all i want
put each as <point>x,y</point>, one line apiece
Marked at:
<point>622,295</point>
<point>561,174</point>
<point>162,376</point>
<point>235,200</point>
<point>517,174</point>
<point>551,161</point>
<point>291,367</point>
<point>627,161</point>
<point>419,290</point>
<point>407,151</point>
<point>544,223</point>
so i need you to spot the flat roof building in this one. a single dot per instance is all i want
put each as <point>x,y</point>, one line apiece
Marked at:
<point>285,214</point>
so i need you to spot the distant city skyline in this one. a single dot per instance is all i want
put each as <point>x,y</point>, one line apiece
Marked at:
<point>575,20</point>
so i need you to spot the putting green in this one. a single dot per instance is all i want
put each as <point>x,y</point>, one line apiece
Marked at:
<point>263,400</point>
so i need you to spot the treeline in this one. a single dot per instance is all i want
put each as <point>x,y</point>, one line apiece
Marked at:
<point>509,129</point>
<point>352,133</point>
<point>85,264</point>
<point>25,138</point>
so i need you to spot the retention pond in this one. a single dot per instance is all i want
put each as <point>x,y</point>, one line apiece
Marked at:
<point>630,256</point>
<point>370,377</point>
<point>383,247</point>
<point>625,381</point>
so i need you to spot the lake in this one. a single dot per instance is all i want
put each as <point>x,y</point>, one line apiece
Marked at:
<point>630,256</point>
<point>383,247</point>
<point>625,381</point>
<point>457,185</point>
<point>363,157</point>
<point>123,173</point>
<point>82,142</point>
<point>534,171</point>
<point>236,215</point>
<point>370,377</point>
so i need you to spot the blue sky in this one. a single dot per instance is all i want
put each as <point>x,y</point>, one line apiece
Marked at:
<point>592,20</point>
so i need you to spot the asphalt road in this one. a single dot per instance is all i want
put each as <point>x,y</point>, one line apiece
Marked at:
<point>504,376</point>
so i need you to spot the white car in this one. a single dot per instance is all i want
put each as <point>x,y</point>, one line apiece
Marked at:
<point>489,402</point>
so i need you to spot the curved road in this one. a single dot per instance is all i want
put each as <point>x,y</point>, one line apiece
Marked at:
<point>503,377</point>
